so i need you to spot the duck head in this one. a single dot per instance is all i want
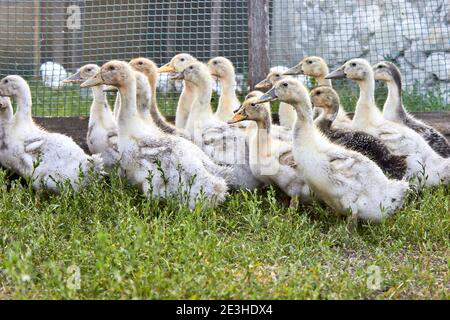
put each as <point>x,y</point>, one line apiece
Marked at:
<point>6,111</point>
<point>145,66</point>
<point>221,67</point>
<point>253,94</point>
<point>270,80</point>
<point>178,63</point>
<point>326,99</point>
<point>354,69</point>
<point>312,66</point>
<point>387,72</point>
<point>115,73</point>
<point>85,72</point>
<point>288,90</point>
<point>11,86</point>
<point>251,110</point>
<point>196,73</point>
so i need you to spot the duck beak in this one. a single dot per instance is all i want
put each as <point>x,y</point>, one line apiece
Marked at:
<point>337,74</point>
<point>294,70</point>
<point>166,68</point>
<point>265,84</point>
<point>177,76</point>
<point>92,81</point>
<point>110,89</point>
<point>73,78</point>
<point>238,117</point>
<point>268,96</point>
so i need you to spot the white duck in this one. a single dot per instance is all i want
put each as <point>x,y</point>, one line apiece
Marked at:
<point>225,144</point>
<point>346,180</point>
<point>394,110</point>
<point>223,69</point>
<point>286,112</point>
<point>160,165</point>
<point>47,158</point>
<point>425,165</point>
<point>177,64</point>
<point>271,159</point>
<point>317,68</point>
<point>102,129</point>
<point>53,74</point>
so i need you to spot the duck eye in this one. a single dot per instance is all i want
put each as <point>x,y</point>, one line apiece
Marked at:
<point>141,63</point>
<point>191,67</point>
<point>285,84</point>
<point>6,81</point>
<point>111,68</point>
<point>89,70</point>
<point>380,66</point>
<point>253,104</point>
<point>353,64</point>
<point>318,93</point>
<point>182,59</point>
<point>215,62</point>
<point>310,62</point>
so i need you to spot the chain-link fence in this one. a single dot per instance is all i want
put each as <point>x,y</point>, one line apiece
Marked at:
<point>47,40</point>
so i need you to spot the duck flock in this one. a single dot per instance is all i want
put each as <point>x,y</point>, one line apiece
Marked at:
<point>362,167</point>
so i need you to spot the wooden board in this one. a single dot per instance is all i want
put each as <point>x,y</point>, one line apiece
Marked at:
<point>76,127</point>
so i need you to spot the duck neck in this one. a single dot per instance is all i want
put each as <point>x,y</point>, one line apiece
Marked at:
<point>228,100</point>
<point>202,105</point>
<point>99,102</point>
<point>321,81</point>
<point>143,99</point>
<point>304,123</point>
<point>263,141</point>
<point>24,104</point>
<point>366,108</point>
<point>128,111</point>
<point>326,118</point>
<point>393,107</point>
<point>152,80</point>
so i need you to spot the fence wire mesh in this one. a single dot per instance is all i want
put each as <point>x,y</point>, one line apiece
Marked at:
<point>45,41</point>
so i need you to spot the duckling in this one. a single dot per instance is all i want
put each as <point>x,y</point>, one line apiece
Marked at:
<point>102,129</point>
<point>48,159</point>
<point>286,113</point>
<point>161,165</point>
<point>150,70</point>
<point>225,144</point>
<point>425,167</point>
<point>317,68</point>
<point>271,159</point>
<point>327,99</point>
<point>394,110</point>
<point>344,179</point>
<point>223,69</point>
<point>177,64</point>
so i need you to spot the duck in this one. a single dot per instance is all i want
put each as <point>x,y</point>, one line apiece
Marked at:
<point>48,159</point>
<point>253,94</point>
<point>177,64</point>
<point>424,166</point>
<point>150,70</point>
<point>271,159</point>
<point>286,112</point>
<point>223,69</point>
<point>159,164</point>
<point>101,136</point>
<point>317,68</point>
<point>395,111</point>
<point>225,144</point>
<point>326,99</point>
<point>347,181</point>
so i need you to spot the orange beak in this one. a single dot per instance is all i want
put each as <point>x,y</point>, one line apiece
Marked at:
<point>166,68</point>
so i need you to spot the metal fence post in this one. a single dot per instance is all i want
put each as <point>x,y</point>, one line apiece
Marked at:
<point>258,41</point>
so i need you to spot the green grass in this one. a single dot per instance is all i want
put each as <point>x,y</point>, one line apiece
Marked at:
<point>70,101</point>
<point>252,247</point>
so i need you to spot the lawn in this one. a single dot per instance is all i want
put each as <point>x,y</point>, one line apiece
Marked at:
<point>108,241</point>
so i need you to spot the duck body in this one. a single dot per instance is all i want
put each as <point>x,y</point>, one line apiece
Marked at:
<point>326,99</point>
<point>395,111</point>
<point>48,159</point>
<point>346,180</point>
<point>160,165</point>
